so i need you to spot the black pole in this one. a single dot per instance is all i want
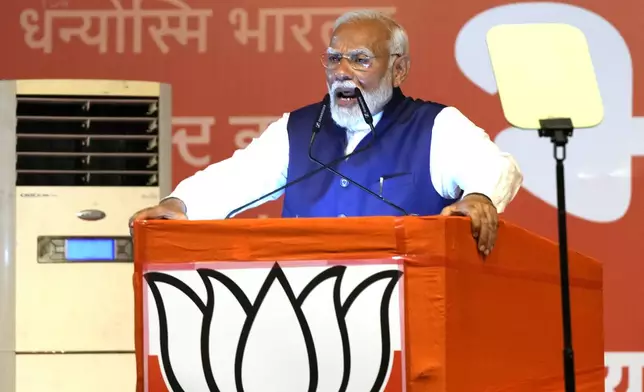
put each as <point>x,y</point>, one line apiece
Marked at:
<point>559,130</point>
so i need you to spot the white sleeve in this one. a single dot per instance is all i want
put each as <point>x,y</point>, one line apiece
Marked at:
<point>249,173</point>
<point>464,160</point>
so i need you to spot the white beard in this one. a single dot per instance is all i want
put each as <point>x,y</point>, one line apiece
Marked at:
<point>351,117</point>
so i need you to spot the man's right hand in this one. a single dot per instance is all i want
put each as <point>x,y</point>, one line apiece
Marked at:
<point>172,209</point>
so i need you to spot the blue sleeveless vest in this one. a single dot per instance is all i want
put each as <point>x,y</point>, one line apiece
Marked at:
<point>396,166</point>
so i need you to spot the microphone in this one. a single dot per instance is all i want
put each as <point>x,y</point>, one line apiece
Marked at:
<point>366,114</point>
<point>324,105</point>
<point>368,118</point>
<point>316,128</point>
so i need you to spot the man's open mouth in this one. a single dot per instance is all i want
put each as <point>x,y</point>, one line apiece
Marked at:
<point>347,94</point>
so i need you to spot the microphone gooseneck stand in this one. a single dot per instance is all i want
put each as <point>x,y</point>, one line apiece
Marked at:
<point>317,126</point>
<point>366,114</point>
<point>304,176</point>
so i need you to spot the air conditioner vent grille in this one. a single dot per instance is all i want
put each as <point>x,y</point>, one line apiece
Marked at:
<point>91,140</point>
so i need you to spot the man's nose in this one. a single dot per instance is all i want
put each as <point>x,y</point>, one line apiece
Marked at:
<point>341,77</point>
<point>343,72</point>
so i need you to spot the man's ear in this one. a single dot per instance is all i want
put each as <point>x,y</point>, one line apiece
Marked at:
<point>401,70</point>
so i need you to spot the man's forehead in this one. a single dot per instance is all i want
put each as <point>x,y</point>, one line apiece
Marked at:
<point>362,35</point>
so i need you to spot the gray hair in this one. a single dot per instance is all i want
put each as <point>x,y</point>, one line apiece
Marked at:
<point>398,40</point>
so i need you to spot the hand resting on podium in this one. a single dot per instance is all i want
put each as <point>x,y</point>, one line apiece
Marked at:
<point>171,209</point>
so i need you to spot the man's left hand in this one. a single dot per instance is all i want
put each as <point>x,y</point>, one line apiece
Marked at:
<point>484,218</point>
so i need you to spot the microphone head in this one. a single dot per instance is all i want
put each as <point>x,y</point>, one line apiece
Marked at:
<point>324,106</point>
<point>366,114</point>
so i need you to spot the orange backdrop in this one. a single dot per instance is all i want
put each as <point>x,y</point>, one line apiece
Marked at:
<point>229,81</point>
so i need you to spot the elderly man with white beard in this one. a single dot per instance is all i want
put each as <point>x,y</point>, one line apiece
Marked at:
<point>424,157</point>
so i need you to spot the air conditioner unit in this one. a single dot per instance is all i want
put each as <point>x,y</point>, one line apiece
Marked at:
<point>77,158</point>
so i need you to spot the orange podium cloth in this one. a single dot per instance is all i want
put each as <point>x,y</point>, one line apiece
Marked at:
<point>470,324</point>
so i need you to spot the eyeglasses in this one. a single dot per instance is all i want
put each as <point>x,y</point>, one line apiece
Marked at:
<point>357,61</point>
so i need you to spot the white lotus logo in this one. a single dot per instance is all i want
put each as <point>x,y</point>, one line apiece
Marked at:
<point>598,162</point>
<point>329,337</point>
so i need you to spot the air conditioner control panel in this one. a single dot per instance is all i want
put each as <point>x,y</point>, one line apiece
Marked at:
<point>80,249</point>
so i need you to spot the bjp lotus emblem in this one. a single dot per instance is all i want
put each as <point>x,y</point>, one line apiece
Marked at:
<point>278,328</point>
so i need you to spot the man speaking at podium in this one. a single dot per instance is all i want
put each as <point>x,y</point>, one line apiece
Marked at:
<point>406,156</point>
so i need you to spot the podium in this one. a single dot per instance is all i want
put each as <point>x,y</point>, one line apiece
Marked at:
<point>385,304</point>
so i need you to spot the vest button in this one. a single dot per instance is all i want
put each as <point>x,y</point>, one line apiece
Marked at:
<point>342,216</point>
<point>344,183</point>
